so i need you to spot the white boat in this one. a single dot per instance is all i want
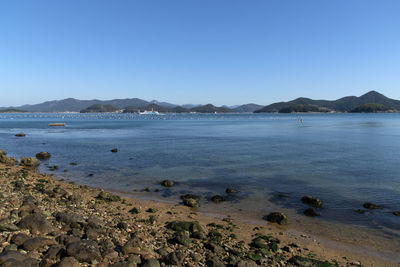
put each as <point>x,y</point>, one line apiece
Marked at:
<point>152,112</point>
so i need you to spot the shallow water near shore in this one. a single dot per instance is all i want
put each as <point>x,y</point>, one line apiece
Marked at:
<point>272,159</point>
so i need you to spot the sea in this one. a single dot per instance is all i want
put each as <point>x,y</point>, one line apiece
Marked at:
<point>272,160</point>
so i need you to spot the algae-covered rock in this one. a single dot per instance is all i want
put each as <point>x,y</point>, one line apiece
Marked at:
<point>30,162</point>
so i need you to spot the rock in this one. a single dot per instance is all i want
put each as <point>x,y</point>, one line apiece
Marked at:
<point>360,211</point>
<point>8,227</point>
<point>312,201</point>
<point>73,164</point>
<point>371,206</point>
<point>68,262</point>
<point>122,226</point>
<point>84,250</point>
<point>55,252</point>
<point>190,200</point>
<point>20,135</point>
<point>151,263</point>
<point>182,238</point>
<point>175,258</point>
<point>167,183</point>
<point>3,152</point>
<point>311,212</point>
<point>36,223</point>
<point>396,213</point>
<point>214,261</point>
<point>108,197</point>
<point>43,155</point>
<point>231,190</point>
<point>134,211</point>
<point>30,162</point>
<point>8,161</point>
<point>147,189</point>
<point>305,262</point>
<point>217,199</point>
<point>19,239</point>
<point>38,242</point>
<point>71,219</point>
<point>179,226</point>
<point>243,263</point>
<point>12,255</point>
<point>277,217</point>
<point>114,150</point>
<point>27,208</point>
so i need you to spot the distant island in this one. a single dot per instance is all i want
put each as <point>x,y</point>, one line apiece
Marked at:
<point>12,110</point>
<point>369,102</point>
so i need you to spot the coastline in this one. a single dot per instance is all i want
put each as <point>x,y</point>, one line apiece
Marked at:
<point>228,238</point>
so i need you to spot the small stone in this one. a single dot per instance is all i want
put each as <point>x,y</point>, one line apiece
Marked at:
<point>167,183</point>
<point>277,217</point>
<point>217,199</point>
<point>371,206</point>
<point>43,155</point>
<point>68,262</point>
<point>114,150</point>
<point>151,263</point>
<point>231,190</point>
<point>20,135</point>
<point>38,242</point>
<point>30,162</point>
<point>312,201</point>
<point>311,212</point>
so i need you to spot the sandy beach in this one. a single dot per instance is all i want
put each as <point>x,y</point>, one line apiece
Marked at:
<point>49,222</point>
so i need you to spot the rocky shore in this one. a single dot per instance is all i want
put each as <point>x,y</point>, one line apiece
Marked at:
<point>49,222</point>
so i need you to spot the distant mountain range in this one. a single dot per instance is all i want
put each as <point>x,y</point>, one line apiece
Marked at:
<point>345,104</point>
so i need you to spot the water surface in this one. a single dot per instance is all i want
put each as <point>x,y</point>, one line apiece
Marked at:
<point>344,159</point>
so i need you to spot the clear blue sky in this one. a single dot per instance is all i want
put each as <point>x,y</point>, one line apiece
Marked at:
<point>198,51</point>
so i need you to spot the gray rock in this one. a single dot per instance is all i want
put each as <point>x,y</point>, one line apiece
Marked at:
<point>12,255</point>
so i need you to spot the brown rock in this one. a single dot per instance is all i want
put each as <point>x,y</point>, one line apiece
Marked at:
<point>84,250</point>
<point>30,162</point>
<point>43,155</point>
<point>68,262</point>
<point>36,223</point>
<point>37,243</point>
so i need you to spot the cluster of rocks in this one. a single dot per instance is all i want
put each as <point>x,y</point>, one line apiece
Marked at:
<point>45,222</point>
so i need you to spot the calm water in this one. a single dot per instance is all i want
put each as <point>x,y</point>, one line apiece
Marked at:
<point>344,159</point>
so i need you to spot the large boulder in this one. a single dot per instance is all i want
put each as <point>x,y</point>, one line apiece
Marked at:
<point>30,162</point>
<point>43,155</point>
